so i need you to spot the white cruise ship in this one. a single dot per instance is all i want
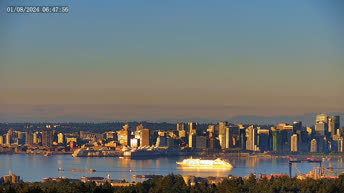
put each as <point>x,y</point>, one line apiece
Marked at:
<point>206,164</point>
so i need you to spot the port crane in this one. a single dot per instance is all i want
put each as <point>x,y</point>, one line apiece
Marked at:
<point>308,160</point>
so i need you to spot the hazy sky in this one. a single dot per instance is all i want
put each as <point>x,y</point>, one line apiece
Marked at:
<point>171,60</point>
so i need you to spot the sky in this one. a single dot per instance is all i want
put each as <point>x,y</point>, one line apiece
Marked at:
<point>175,60</point>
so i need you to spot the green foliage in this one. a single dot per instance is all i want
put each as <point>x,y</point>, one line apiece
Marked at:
<point>175,184</point>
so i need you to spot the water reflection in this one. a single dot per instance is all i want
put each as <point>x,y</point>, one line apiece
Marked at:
<point>37,167</point>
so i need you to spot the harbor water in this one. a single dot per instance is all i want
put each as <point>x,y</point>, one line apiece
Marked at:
<point>36,167</point>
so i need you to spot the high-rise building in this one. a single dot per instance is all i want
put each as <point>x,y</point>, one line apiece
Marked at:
<point>314,146</point>
<point>201,142</point>
<point>340,144</point>
<point>1,140</point>
<point>144,137</point>
<point>47,137</point>
<point>29,138</point>
<point>60,138</point>
<point>277,142</point>
<point>222,133</point>
<point>251,139</point>
<point>36,138</point>
<point>297,125</point>
<point>321,128</point>
<point>294,143</point>
<point>263,139</point>
<point>192,128</point>
<point>243,138</point>
<point>192,140</point>
<point>335,124</point>
<point>8,138</point>
<point>321,118</point>
<point>180,126</point>
<point>21,138</point>
<point>123,135</point>
<point>234,136</point>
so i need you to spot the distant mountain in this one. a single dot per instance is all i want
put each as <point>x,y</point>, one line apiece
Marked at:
<point>307,119</point>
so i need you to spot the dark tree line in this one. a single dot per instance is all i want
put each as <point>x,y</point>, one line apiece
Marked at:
<point>175,184</point>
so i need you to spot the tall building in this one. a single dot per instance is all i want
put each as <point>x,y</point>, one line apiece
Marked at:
<point>251,139</point>
<point>222,133</point>
<point>1,140</point>
<point>192,128</point>
<point>335,124</point>
<point>297,125</point>
<point>29,138</point>
<point>294,143</point>
<point>123,135</point>
<point>192,140</point>
<point>321,118</point>
<point>263,139</point>
<point>180,126</point>
<point>321,128</point>
<point>47,137</point>
<point>144,137</point>
<point>340,144</point>
<point>314,146</point>
<point>60,138</point>
<point>234,136</point>
<point>8,138</point>
<point>277,141</point>
<point>36,138</point>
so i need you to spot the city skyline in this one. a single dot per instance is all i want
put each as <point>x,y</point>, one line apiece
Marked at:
<point>159,61</point>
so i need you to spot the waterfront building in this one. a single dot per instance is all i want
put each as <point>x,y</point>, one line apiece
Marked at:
<point>21,138</point>
<point>135,142</point>
<point>1,140</point>
<point>251,139</point>
<point>123,135</point>
<point>47,137</point>
<point>10,178</point>
<point>294,143</point>
<point>192,140</point>
<point>234,136</point>
<point>314,146</point>
<point>263,139</point>
<point>69,139</point>
<point>8,138</point>
<point>29,138</point>
<point>37,138</point>
<point>60,138</point>
<point>243,138</point>
<point>145,137</point>
<point>277,142</point>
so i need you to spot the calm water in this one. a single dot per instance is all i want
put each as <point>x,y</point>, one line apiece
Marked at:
<point>37,167</point>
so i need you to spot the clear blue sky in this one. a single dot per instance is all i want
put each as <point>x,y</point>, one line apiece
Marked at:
<point>171,60</point>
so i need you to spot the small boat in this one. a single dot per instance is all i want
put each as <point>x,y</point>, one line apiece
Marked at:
<point>60,169</point>
<point>46,154</point>
<point>79,170</point>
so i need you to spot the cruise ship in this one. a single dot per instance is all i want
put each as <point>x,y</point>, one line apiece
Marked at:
<point>206,164</point>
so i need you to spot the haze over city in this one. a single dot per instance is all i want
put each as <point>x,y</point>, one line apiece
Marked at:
<point>178,60</point>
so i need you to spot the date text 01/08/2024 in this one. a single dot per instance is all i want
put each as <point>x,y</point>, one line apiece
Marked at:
<point>37,9</point>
